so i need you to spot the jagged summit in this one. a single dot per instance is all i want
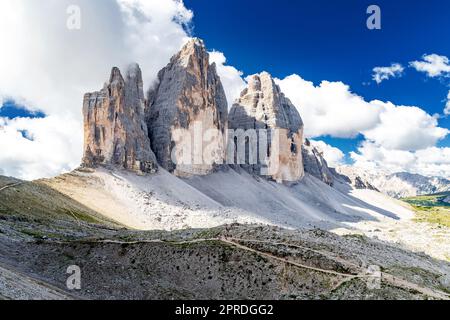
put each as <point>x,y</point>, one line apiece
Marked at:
<point>116,76</point>
<point>188,97</point>
<point>262,105</point>
<point>396,185</point>
<point>315,164</point>
<point>115,132</point>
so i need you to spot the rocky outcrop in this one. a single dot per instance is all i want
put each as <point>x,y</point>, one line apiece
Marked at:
<point>315,164</point>
<point>263,108</point>
<point>114,129</point>
<point>187,113</point>
<point>353,177</point>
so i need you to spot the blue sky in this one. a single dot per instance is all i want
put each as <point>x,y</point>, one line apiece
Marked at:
<point>328,40</point>
<point>11,110</point>
<point>320,51</point>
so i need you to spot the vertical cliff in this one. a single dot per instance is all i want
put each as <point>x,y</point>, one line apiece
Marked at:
<point>262,108</point>
<point>315,164</point>
<point>115,132</point>
<point>187,113</point>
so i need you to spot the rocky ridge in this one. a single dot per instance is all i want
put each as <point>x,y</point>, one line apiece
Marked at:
<point>315,164</point>
<point>183,124</point>
<point>397,185</point>
<point>355,178</point>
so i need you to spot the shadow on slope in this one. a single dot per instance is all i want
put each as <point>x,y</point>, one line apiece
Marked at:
<point>309,203</point>
<point>39,211</point>
<point>165,202</point>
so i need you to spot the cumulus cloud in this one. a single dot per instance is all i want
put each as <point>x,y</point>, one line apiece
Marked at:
<point>330,108</point>
<point>45,66</point>
<point>405,128</point>
<point>333,156</point>
<point>384,73</point>
<point>433,65</point>
<point>231,77</point>
<point>432,161</point>
<point>396,137</point>
<point>40,147</point>
<point>48,67</point>
<point>447,105</point>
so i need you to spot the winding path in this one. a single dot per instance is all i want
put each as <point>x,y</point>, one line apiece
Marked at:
<point>385,277</point>
<point>12,185</point>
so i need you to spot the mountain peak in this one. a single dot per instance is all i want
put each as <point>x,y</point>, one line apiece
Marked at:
<point>134,71</point>
<point>194,49</point>
<point>114,130</point>
<point>189,92</point>
<point>195,43</point>
<point>262,106</point>
<point>116,76</point>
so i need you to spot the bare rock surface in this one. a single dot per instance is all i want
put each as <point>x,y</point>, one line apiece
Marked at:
<point>397,185</point>
<point>262,106</point>
<point>39,239</point>
<point>315,164</point>
<point>357,178</point>
<point>229,262</point>
<point>187,101</point>
<point>114,127</point>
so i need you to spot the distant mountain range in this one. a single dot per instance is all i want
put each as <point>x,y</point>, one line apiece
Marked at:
<point>151,214</point>
<point>399,185</point>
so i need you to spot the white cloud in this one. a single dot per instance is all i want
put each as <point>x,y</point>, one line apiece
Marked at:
<point>447,105</point>
<point>48,67</point>
<point>384,73</point>
<point>333,156</point>
<point>405,128</point>
<point>330,108</point>
<point>433,65</point>
<point>397,137</point>
<point>40,147</point>
<point>231,77</point>
<point>432,161</point>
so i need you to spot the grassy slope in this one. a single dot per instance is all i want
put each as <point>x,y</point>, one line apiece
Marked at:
<point>431,208</point>
<point>28,203</point>
<point>36,213</point>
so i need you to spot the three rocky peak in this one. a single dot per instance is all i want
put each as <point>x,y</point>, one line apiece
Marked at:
<point>184,126</point>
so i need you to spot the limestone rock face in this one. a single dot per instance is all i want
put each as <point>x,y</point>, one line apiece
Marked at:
<point>186,113</point>
<point>315,164</point>
<point>115,132</point>
<point>261,108</point>
<point>351,176</point>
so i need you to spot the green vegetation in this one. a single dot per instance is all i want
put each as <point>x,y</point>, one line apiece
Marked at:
<point>438,215</point>
<point>33,201</point>
<point>40,235</point>
<point>208,234</point>
<point>431,208</point>
<point>355,236</point>
<point>431,200</point>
